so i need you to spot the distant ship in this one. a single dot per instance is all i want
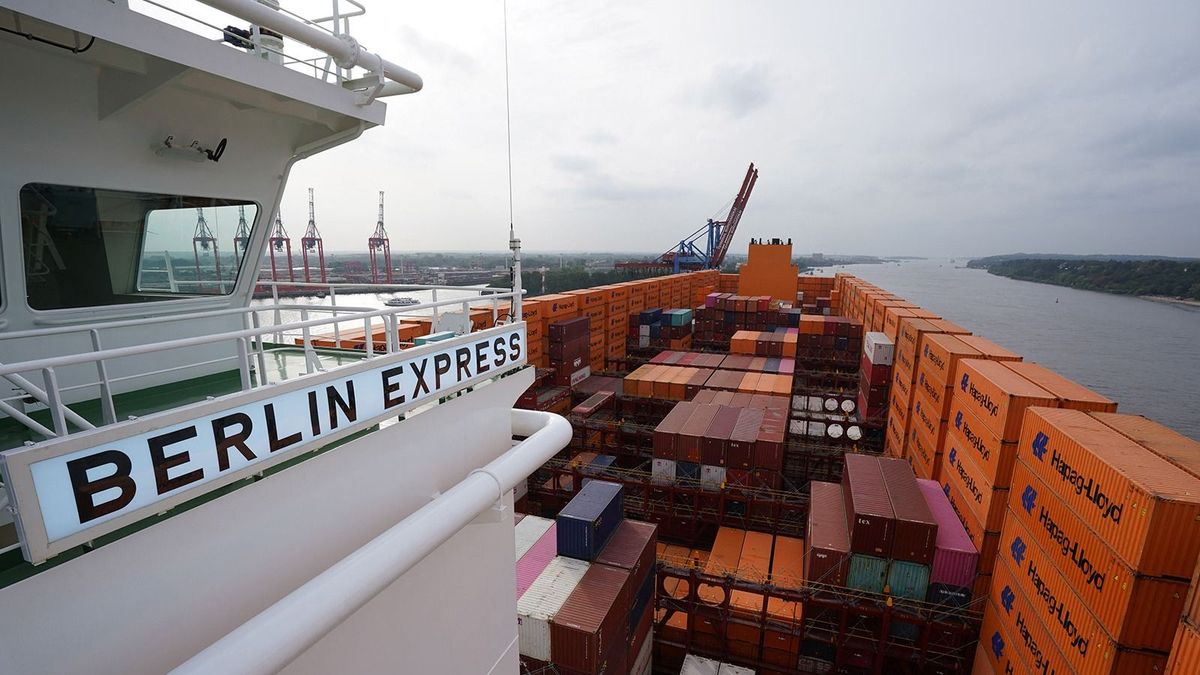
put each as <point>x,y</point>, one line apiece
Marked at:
<point>402,302</point>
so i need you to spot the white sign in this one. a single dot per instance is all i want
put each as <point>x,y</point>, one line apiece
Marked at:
<point>77,490</point>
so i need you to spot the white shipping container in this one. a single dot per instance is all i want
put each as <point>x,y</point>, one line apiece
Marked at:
<point>712,477</point>
<point>698,665</point>
<point>662,471</point>
<point>798,427</point>
<point>816,429</point>
<point>730,669</point>
<point>644,331</point>
<point>528,531</point>
<point>799,403</point>
<point>879,348</point>
<point>816,403</point>
<point>542,601</point>
<point>642,664</point>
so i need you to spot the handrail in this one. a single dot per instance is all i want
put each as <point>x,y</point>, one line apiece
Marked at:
<point>276,636</point>
<point>136,350</point>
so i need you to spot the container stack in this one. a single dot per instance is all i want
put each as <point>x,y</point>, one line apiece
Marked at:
<point>586,587</point>
<point>937,366</point>
<point>681,383</point>
<point>724,314</point>
<point>661,329</point>
<point>734,443</point>
<point>780,342</point>
<point>875,374</point>
<point>1101,537</point>
<point>569,350</point>
<point>987,409</point>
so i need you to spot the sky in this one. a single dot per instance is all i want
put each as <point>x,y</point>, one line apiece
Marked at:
<point>916,128</point>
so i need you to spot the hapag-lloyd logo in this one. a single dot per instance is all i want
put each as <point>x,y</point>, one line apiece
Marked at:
<point>997,645</point>
<point>1087,486</point>
<point>983,399</point>
<point>958,420</point>
<point>936,360</point>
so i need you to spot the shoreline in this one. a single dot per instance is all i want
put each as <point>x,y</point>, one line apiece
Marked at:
<point>1168,300</point>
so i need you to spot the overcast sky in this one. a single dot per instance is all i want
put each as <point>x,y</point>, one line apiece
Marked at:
<point>913,128</point>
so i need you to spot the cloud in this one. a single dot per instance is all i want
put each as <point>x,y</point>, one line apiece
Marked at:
<point>600,137</point>
<point>737,89</point>
<point>589,181</point>
<point>437,52</point>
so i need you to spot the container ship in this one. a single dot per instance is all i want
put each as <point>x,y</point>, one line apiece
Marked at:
<point>695,472</point>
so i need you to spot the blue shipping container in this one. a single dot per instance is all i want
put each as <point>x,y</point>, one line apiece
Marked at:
<point>589,519</point>
<point>687,470</point>
<point>650,317</point>
<point>867,573</point>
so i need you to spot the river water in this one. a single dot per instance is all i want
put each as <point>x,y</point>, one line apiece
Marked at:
<point>1140,353</point>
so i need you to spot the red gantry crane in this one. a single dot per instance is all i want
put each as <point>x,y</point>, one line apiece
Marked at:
<point>311,241</point>
<point>715,236</point>
<point>378,243</point>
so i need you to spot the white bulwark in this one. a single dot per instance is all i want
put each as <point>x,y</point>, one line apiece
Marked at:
<point>73,489</point>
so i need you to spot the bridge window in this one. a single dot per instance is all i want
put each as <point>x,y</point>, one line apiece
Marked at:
<point>86,247</point>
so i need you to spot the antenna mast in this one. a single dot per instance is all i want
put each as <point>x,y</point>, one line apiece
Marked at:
<point>379,243</point>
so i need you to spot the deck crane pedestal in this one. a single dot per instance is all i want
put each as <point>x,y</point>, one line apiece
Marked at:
<point>705,248</point>
<point>311,241</point>
<point>379,244</point>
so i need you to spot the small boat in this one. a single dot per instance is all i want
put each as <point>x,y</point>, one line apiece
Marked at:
<point>402,302</point>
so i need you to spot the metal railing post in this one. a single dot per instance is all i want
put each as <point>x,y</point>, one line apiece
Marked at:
<point>433,327</point>
<point>467,314</point>
<point>244,363</point>
<point>106,400</point>
<point>259,350</point>
<point>368,337</point>
<point>54,401</point>
<point>278,316</point>
<point>309,356</point>
<point>393,337</point>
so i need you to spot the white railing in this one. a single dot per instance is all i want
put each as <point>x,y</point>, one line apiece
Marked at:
<point>249,345</point>
<point>339,58</point>
<point>274,638</point>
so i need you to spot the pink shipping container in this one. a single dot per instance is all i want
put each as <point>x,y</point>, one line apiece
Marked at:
<point>954,558</point>
<point>536,558</point>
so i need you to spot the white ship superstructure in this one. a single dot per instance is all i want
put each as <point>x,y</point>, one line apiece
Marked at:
<point>191,483</point>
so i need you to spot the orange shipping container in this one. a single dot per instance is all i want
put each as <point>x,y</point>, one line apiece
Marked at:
<point>997,396</point>
<point>990,350</point>
<point>1136,610</point>
<point>726,552</point>
<point>891,320</point>
<point>556,305</point>
<point>949,327</point>
<point>750,383</point>
<point>1084,643</point>
<point>1167,443</point>
<point>994,459</point>
<point>631,383</point>
<point>1185,652</point>
<point>787,562</point>
<point>940,354</point>
<point>910,334</point>
<point>998,650</point>
<point>926,460</point>
<point>926,417</point>
<point>986,542</point>
<point>986,503</point>
<point>1019,618</point>
<point>1070,394</point>
<point>1147,509</point>
<point>754,565</point>
<point>531,311</point>
<point>937,393</point>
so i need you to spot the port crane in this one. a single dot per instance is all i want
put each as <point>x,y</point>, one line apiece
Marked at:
<point>379,244</point>
<point>241,238</point>
<point>203,240</point>
<point>278,241</point>
<point>311,241</point>
<point>705,248</point>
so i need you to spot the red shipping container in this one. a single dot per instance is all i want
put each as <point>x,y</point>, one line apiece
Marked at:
<point>745,432</point>
<point>666,433</point>
<point>591,624</point>
<point>687,445</point>
<point>869,515</point>
<point>714,444</point>
<point>828,542</point>
<point>916,529</point>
